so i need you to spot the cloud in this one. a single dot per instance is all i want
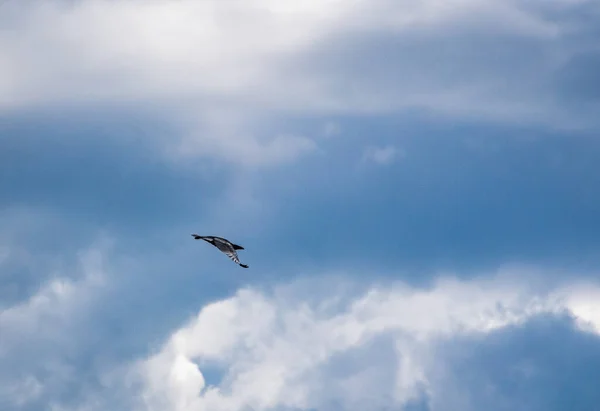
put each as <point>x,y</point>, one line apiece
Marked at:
<point>189,49</point>
<point>544,364</point>
<point>151,119</point>
<point>37,333</point>
<point>381,155</point>
<point>223,72</point>
<point>383,349</point>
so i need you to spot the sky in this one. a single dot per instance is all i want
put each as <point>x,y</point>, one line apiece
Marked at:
<point>415,185</point>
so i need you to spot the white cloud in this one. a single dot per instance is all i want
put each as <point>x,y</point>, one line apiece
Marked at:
<point>233,65</point>
<point>21,392</point>
<point>54,300</point>
<point>367,351</point>
<point>583,302</point>
<point>381,155</point>
<point>36,332</point>
<point>190,51</point>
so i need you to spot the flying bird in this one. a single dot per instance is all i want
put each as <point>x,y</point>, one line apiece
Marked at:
<point>225,246</point>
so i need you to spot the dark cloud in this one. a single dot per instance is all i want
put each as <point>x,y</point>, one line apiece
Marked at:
<point>106,169</point>
<point>545,364</point>
<point>529,71</point>
<point>66,178</point>
<point>465,197</point>
<point>578,80</point>
<point>78,355</point>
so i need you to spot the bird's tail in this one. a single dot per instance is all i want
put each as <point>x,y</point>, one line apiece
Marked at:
<point>243,265</point>
<point>237,247</point>
<point>196,236</point>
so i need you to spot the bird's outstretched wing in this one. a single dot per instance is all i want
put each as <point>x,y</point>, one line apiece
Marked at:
<point>233,255</point>
<point>228,249</point>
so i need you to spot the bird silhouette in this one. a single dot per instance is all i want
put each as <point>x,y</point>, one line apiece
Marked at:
<point>224,245</point>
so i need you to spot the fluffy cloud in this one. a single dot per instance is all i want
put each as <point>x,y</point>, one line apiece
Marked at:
<point>383,349</point>
<point>189,50</point>
<point>38,331</point>
<point>254,84</point>
<point>224,71</point>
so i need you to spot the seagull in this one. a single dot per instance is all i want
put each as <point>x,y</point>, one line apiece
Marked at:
<point>225,246</point>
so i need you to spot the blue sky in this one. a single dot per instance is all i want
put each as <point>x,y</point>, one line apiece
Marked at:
<point>415,186</point>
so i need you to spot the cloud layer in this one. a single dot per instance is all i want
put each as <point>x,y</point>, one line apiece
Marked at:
<point>224,72</point>
<point>386,348</point>
<point>360,150</point>
<point>41,335</point>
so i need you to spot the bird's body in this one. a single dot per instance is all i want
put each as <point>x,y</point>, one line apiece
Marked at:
<point>224,245</point>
